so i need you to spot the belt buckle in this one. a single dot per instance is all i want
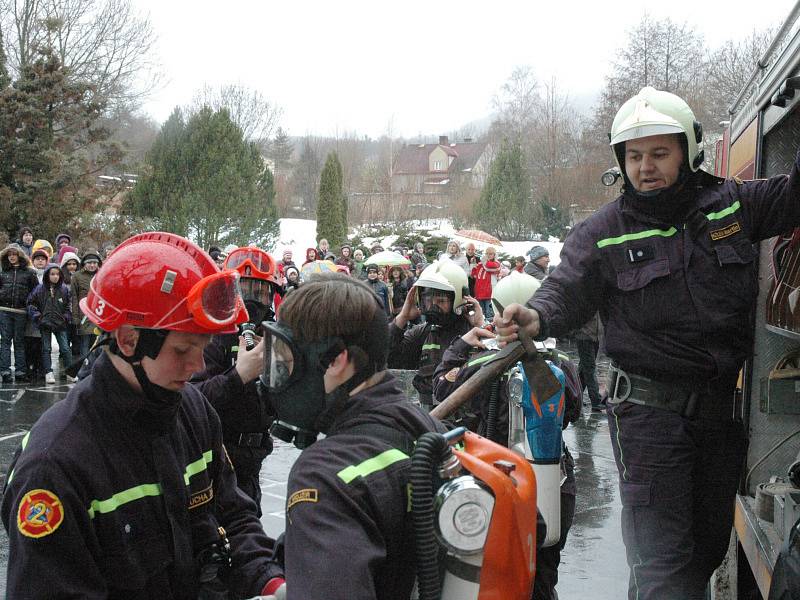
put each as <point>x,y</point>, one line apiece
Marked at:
<point>615,398</point>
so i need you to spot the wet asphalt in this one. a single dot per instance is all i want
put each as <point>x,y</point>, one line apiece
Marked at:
<point>593,562</point>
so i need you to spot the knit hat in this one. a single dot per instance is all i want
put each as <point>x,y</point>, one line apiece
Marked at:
<point>68,256</point>
<point>40,252</point>
<point>537,252</point>
<point>91,255</point>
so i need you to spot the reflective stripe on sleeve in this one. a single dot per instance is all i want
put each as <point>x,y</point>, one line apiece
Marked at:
<point>371,465</point>
<point>431,346</point>
<point>198,466</point>
<point>725,212</point>
<point>481,359</point>
<point>629,237</point>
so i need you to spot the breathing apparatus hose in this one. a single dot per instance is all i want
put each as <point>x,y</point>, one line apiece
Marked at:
<point>431,448</point>
<point>491,417</point>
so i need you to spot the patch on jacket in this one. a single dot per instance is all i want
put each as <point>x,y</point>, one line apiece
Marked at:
<point>40,513</point>
<point>641,253</point>
<point>452,374</point>
<point>728,231</point>
<point>304,495</point>
<point>202,497</point>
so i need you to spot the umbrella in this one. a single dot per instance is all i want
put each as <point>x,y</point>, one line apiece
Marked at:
<point>479,236</point>
<point>387,258</point>
<point>318,266</point>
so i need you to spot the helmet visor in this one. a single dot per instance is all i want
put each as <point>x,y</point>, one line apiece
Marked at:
<point>281,357</point>
<point>216,300</point>
<point>431,297</point>
<point>250,263</point>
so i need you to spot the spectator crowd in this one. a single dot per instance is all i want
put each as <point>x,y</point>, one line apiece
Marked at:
<point>41,285</point>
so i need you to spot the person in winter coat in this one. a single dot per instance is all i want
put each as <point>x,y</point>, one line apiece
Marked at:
<point>292,279</point>
<point>485,275</point>
<point>418,256</point>
<point>346,260</point>
<point>25,240</point>
<point>33,337</point>
<point>346,513</point>
<point>79,289</point>
<point>377,286</point>
<point>519,264</point>
<point>323,249</point>
<point>17,280</point>
<point>50,308</point>
<point>44,245</point>
<point>124,489</point>
<point>286,261</point>
<point>399,286</point>
<point>454,254</point>
<point>358,265</point>
<point>311,256</point>
<point>540,260</point>
<point>69,263</point>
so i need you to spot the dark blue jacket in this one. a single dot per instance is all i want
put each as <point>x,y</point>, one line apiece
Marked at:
<point>139,502</point>
<point>675,297</point>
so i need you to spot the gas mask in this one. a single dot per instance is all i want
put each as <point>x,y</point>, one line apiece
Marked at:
<point>257,295</point>
<point>294,371</point>
<point>433,312</point>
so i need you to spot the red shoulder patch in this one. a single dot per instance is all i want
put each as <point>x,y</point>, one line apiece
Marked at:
<point>40,513</point>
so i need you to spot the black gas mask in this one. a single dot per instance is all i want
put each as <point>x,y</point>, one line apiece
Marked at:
<point>294,371</point>
<point>257,295</point>
<point>430,305</point>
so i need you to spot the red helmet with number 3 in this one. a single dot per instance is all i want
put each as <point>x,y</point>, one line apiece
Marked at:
<point>164,281</point>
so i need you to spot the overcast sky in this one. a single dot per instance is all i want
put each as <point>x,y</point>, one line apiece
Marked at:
<point>417,67</point>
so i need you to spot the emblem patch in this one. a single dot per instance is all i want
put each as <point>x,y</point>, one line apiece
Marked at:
<point>305,495</point>
<point>202,497</point>
<point>40,513</point>
<point>452,374</point>
<point>728,231</point>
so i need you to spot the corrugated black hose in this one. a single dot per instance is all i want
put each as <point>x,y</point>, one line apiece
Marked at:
<point>430,450</point>
<point>491,416</point>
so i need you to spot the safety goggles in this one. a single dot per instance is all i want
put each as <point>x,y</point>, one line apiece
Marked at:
<point>257,290</point>
<point>257,261</point>
<point>285,360</point>
<point>216,300</point>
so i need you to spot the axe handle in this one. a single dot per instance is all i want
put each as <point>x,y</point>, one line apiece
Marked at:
<point>474,384</point>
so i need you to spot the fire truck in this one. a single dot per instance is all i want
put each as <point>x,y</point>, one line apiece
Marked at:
<point>761,140</point>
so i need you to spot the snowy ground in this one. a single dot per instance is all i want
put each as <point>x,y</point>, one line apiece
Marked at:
<point>300,234</point>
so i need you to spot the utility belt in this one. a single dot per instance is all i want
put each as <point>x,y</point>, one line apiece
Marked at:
<point>686,401</point>
<point>254,439</point>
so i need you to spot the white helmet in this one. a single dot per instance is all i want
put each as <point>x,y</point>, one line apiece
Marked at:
<point>516,288</point>
<point>654,112</point>
<point>453,276</point>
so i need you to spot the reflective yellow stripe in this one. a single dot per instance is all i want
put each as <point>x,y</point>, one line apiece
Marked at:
<point>22,445</point>
<point>370,466</point>
<point>725,212</point>
<point>120,498</point>
<point>431,346</point>
<point>198,466</point>
<point>146,489</point>
<point>481,359</point>
<point>629,237</point>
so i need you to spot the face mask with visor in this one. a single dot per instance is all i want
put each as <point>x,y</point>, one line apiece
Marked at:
<point>429,307</point>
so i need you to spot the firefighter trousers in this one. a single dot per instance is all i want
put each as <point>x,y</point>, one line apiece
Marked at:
<point>678,482</point>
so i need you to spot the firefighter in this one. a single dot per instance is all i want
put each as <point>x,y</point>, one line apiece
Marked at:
<point>671,266</point>
<point>461,360</point>
<point>232,368</point>
<point>439,295</point>
<point>348,532</point>
<point>124,489</point>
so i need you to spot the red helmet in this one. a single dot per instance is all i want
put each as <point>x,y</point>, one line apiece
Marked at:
<point>163,281</point>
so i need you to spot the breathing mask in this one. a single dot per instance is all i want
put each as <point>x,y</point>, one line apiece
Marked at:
<point>257,295</point>
<point>294,372</point>
<point>431,302</point>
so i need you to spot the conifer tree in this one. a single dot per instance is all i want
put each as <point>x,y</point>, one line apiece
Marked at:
<point>504,208</point>
<point>331,220</point>
<point>282,149</point>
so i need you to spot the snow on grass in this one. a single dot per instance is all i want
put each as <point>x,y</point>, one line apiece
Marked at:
<point>299,234</point>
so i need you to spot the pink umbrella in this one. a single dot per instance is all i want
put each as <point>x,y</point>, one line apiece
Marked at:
<point>478,236</point>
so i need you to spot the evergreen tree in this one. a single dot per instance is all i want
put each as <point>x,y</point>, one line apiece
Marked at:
<point>331,221</point>
<point>4,79</point>
<point>206,182</point>
<point>282,149</point>
<point>52,144</point>
<point>504,208</point>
